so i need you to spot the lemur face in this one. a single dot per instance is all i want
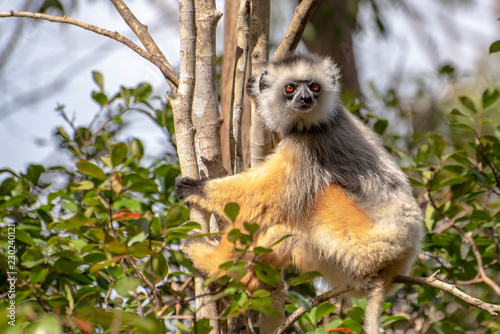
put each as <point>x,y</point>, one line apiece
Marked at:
<point>297,93</point>
<point>301,95</point>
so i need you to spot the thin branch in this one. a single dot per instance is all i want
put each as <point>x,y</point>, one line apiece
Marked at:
<point>450,288</point>
<point>261,142</point>
<point>240,69</point>
<point>141,31</point>
<point>303,13</point>
<point>400,279</point>
<point>313,302</point>
<point>468,239</point>
<point>168,72</point>
<point>479,260</point>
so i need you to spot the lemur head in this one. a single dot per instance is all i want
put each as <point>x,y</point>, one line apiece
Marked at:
<point>297,92</point>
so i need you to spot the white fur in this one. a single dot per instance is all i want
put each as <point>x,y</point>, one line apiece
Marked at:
<point>280,118</point>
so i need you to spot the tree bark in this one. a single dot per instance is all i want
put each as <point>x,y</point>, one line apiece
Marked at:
<point>183,106</point>
<point>240,70</point>
<point>206,115</point>
<point>334,23</point>
<point>261,139</point>
<point>227,77</point>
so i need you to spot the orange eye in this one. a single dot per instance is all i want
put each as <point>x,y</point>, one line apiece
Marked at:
<point>315,87</point>
<point>289,88</point>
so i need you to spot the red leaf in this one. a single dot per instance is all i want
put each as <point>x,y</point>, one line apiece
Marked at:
<point>126,215</point>
<point>83,325</point>
<point>339,330</point>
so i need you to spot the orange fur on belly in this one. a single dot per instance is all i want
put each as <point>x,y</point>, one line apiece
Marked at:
<point>344,217</point>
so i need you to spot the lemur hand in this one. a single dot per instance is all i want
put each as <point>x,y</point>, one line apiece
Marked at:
<point>186,186</point>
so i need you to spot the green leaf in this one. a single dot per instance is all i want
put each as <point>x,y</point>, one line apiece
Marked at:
<point>321,310</point>
<point>108,263</point>
<point>495,47</point>
<point>38,274</point>
<point>490,96</point>
<point>143,91</point>
<point>158,264</point>
<point>267,274</point>
<point>468,103</point>
<point>462,126</point>
<point>429,221</point>
<point>380,126</point>
<point>388,320</point>
<point>47,324</point>
<point>251,227</point>
<point>234,235</point>
<point>446,69</point>
<point>438,143</point>
<point>90,169</point>
<point>55,5</point>
<point>98,79</point>
<point>405,157</point>
<point>24,237</point>
<point>83,185</point>
<point>456,112</point>
<point>100,98</point>
<point>261,250</point>
<point>202,326</point>
<point>118,154</point>
<point>236,272</point>
<point>126,284</point>
<point>63,133</point>
<point>304,278</point>
<point>265,305</point>
<point>231,210</point>
<point>125,94</point>
<point>34,172</point>
<point>423,153</point>
<point>426,294</point>
<point>70,255</point>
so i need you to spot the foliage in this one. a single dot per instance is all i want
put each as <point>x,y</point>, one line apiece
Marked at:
<point>459,177</point>
<point>96,241</point>
<point>457,181</point>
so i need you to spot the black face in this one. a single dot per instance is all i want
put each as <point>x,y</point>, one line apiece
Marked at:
<point>301,94</point>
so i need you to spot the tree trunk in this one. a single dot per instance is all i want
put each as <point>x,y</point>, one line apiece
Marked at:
<point>261,139</point>
<point>334,23</point>
<point>227,77</point>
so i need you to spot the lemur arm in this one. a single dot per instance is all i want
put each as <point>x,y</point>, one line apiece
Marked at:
<point>255,191</point>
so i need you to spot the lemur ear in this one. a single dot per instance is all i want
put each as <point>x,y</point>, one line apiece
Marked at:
<point>262,84</point>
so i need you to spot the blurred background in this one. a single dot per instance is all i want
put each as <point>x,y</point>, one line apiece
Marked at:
<point>406,59</point>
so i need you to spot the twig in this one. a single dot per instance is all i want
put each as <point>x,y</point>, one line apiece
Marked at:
<point>141,31</point>
<point>303,13</point>
<point>430,281</point>
<point>240,69</point>
<point>450,288</point>
<point>479,260</point>
<point>313,302</point>
<point>153,58</point>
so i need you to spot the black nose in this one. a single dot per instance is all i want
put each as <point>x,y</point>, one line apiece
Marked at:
<point>306,98</point>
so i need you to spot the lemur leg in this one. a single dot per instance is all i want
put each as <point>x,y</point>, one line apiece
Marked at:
<point>207,256</point>
<point>375,295</point>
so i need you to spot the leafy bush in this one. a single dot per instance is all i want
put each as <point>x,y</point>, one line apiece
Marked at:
<point>95,247</point>
<point>95,241</point>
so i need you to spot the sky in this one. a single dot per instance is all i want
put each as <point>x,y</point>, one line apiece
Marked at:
<point>49,50</point>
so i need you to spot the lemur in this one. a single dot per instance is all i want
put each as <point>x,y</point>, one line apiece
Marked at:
<point>330,184</point>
